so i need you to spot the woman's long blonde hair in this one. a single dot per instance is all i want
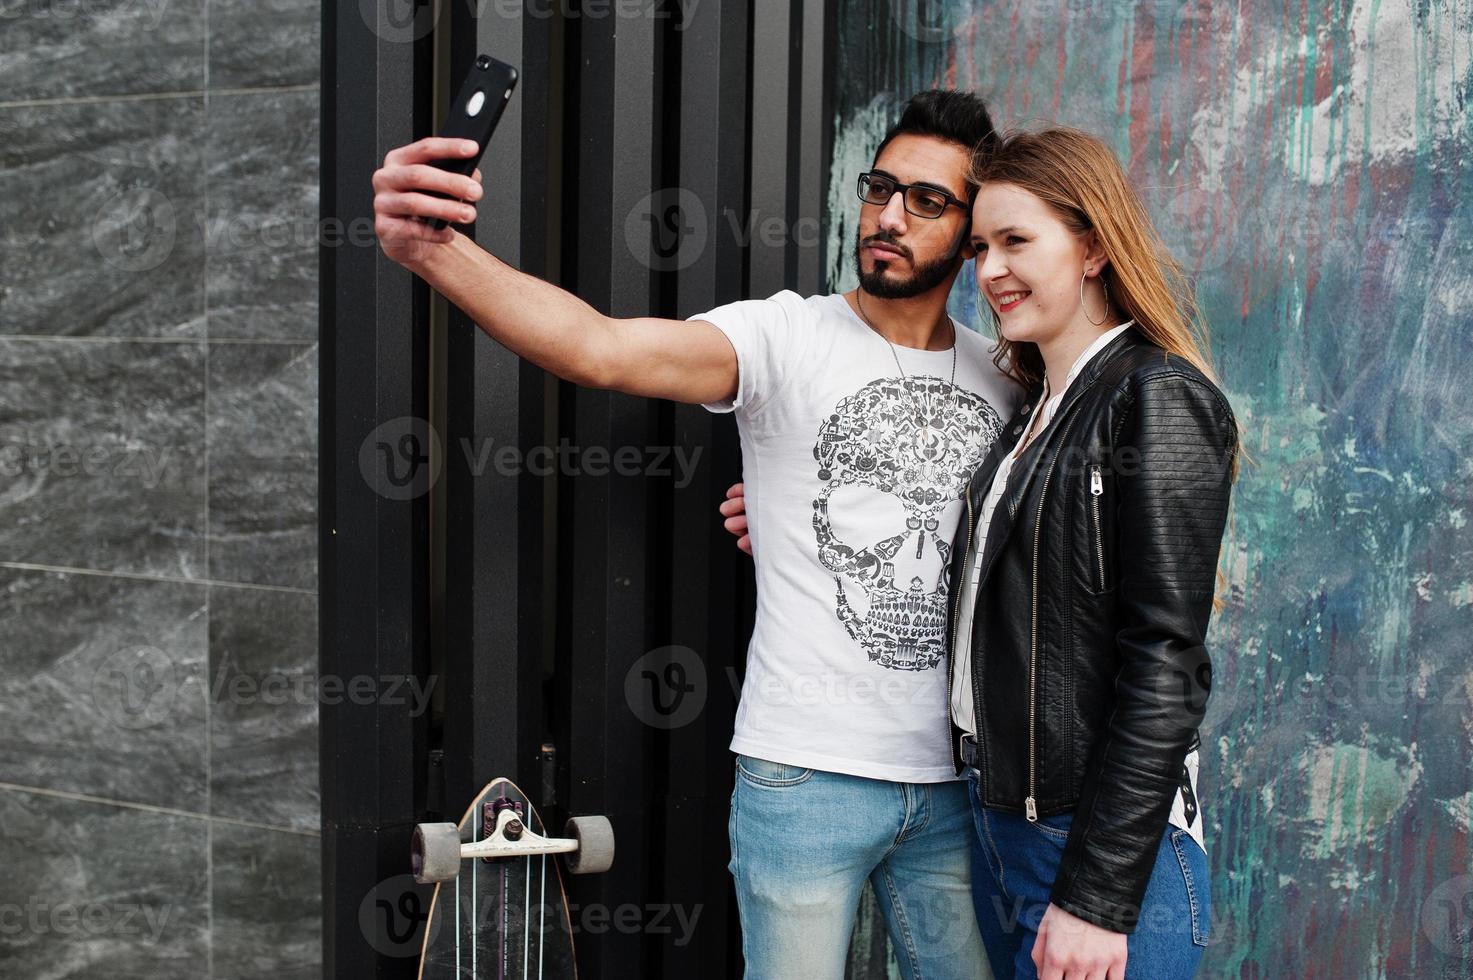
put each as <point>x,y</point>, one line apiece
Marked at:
<point>1080,179</point>
<point>1082,182</point>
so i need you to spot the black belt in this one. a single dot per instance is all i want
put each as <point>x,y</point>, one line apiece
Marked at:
<point>971,753</point>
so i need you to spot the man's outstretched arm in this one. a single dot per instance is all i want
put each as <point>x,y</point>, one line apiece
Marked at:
<point>682,360</point>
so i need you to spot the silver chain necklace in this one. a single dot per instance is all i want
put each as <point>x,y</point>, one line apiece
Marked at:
<point>926,437</point>
<point>859,302</point>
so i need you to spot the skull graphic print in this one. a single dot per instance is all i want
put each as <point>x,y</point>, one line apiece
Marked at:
<point>904,447</point>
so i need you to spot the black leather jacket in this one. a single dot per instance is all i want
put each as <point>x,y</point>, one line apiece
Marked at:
<point>1089,671</point>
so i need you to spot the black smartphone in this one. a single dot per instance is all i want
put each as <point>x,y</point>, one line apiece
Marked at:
<point>474,114</point>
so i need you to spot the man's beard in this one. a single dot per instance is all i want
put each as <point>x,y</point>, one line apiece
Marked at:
<point>927,276</point>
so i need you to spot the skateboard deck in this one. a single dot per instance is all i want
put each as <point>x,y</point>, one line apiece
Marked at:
<point>499,910</point>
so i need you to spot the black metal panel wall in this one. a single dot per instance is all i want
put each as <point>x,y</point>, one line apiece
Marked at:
<point>691,123</point>
<point>374,517</point>
<point>607,572</point>
<point>492,658</point>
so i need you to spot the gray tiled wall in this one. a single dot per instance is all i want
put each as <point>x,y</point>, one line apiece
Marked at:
<point>158,442</point>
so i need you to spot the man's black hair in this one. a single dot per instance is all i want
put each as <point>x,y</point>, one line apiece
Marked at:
<point>947,114</point>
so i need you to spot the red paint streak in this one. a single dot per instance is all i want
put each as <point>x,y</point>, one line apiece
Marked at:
<point>1061,65</point>
<point>1030,60</point>
<point>1012,66</point>
<point>1142,54</point>
<point>1351,195</point>
<point>1312,272</point>
<point>1311,932</point>
<point>1337,957</point>
<point>1297,96</point>
<point>1324,74</point>
<point>1184,45</point>
<point>1121,80</point>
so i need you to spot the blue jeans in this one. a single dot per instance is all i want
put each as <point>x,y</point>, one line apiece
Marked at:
<point>1013,868</point>
<point>804,841</point>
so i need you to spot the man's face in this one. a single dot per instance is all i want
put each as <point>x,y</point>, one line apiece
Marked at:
<point>898,254</point>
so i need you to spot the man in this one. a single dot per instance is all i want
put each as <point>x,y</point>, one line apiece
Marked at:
<point>861,416</point>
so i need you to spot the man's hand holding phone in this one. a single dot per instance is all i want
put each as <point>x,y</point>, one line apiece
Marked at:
<point>426,186</point>
<point>404,197</point>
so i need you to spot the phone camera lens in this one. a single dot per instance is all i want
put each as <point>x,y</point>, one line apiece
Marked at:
<point>483,62</point>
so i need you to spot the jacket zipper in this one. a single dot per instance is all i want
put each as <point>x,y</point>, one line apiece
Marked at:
<point>956,602</point>
<point>1097,490</point>
<point>1030,804</point>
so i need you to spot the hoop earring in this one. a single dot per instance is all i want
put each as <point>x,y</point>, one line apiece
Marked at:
<point>1103,286</point>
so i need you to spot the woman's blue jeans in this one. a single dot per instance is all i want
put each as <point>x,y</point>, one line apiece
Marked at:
<point>1014,863</point>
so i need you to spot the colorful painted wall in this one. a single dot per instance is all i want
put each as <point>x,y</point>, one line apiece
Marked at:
<point>1311,164</point>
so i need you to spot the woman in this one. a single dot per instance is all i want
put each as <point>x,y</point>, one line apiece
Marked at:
<point>1082,579</point>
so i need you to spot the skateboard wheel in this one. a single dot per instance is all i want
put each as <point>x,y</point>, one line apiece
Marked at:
<point>595,837</point>
<point>434,854</point>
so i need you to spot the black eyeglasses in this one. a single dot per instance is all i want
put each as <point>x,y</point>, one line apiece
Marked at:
<point>921,201</point>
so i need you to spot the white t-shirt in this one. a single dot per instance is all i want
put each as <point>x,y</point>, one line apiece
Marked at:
<point>854,477</point>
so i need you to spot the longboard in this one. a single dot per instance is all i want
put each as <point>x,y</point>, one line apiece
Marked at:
<point>499,910</point>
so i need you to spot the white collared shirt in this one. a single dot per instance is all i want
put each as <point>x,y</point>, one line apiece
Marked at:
<point>961,685</point>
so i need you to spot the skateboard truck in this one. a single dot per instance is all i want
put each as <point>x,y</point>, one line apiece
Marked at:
<point>437,850</point>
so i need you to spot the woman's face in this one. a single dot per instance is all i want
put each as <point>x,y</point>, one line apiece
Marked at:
<point>1029,264</point>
